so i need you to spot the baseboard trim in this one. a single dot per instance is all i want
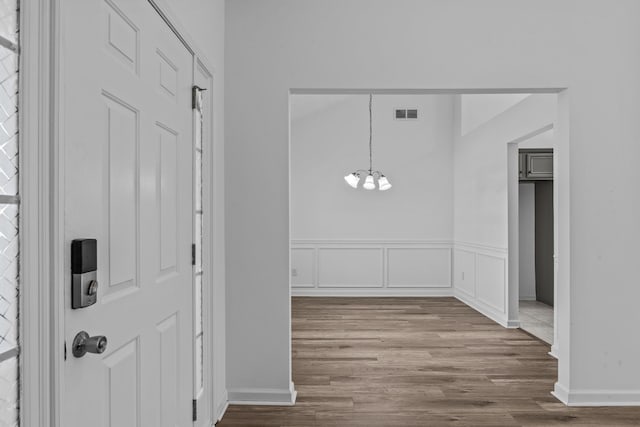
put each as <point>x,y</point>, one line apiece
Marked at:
<point>483,309</point>
<point>263,396</point>
<point>379,292</point>
<point>221,407</point>
<point>513,324</point>
<point>561,393</point>
<point>596,397</point>
<point>554,351</point>
<point>523,298</point>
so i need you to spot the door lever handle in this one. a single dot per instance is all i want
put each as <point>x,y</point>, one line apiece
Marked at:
<point>83,344</point>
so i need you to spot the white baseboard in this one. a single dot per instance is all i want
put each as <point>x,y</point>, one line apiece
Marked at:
<point>377,292</point>
<point>513,324</point>
<point>561,393</point>
<point>527,298</point>
<point>554,351</point>
<point>597,397</point>
<point>221,407</point>
<point>485,310</point>
<point>263,396</point>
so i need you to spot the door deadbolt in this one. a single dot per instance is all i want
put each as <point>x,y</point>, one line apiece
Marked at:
<point>93,288</point>
<point>84,274</point>
<point>83,344</point>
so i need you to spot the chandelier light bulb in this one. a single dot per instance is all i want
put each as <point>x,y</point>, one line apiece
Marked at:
<point>383,183</point>
<point>352,179</point>
<point>368,183</point>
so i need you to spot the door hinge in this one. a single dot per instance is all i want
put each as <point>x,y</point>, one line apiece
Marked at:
<point>65,350</point>
<point>195,410</point>
<point>193,254</point>
<point>195,91</point>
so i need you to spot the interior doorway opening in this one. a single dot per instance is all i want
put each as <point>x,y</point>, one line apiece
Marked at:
<point>536,237</point>
<point>446,228</point>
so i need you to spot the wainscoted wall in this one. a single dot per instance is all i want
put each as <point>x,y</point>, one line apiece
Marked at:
<point>480,279</point>
<point>371,268</point>
<point>475,274</point>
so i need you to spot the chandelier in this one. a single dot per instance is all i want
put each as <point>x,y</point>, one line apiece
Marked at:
<point>371,176</point>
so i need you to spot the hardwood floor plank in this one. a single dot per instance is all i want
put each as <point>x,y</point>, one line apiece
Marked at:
<point>417,362</point>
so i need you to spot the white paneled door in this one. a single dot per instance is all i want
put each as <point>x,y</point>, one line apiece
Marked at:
<point>127,140</point>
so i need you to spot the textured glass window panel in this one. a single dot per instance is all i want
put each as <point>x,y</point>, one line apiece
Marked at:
<point>198,180</point>
<point>199,357</point>
<point>8,122</point>
<point>8,277</point>
<point>198,342</point>
<point>198,237</point>
<point>198,129</point>
<point>198,304</point>
<point>9,19</point>
<point>9,374</point>
<point>9,392</point>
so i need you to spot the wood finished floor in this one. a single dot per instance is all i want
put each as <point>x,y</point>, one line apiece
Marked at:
<point>417,362</point>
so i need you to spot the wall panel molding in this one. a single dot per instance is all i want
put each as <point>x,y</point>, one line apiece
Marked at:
<point>344,267</point>
<point>480,279</point>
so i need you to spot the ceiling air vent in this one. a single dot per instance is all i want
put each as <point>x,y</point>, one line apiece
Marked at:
<point>406,114</point>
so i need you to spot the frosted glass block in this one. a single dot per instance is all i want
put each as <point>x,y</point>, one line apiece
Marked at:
<point>9,19</point>
<point>9,393</point>
<point>8,117</point>
<point>8,277</point>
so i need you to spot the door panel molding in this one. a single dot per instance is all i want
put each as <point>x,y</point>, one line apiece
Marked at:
<point>43,193</point>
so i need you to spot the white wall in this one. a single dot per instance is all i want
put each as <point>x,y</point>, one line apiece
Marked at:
<point>527,240</point>
<point>480,108</point>
<point>204,20</point>
<point>416,156</point>
<point>586,46</point>
<point>358,242</point>
<point>481,233</point>
<point>480,201</point>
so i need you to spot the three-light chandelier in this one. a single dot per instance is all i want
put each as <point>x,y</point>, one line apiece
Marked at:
<point>371,175</point>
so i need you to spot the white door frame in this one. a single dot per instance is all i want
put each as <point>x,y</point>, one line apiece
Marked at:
<point>561,162</point>
<point>513,181</point>
<point>42,217</point>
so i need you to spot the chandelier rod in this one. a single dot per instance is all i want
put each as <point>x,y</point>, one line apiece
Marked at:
<point>370,135</point>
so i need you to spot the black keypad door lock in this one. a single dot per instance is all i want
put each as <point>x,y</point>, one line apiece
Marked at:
<point>84,278</point>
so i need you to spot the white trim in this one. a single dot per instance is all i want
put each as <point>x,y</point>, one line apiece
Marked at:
<point>513,324</point>
<point>38,359</point>
<point>372,292</point>
<point>561,393</point>
<point>263,396</point>
<point>222,407</point>
<point>165,10</point>
<point>485,310</point>
<point>473,246</point>
<point>596,397</point>
<point>378,242</point>
<point>513,284</point>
